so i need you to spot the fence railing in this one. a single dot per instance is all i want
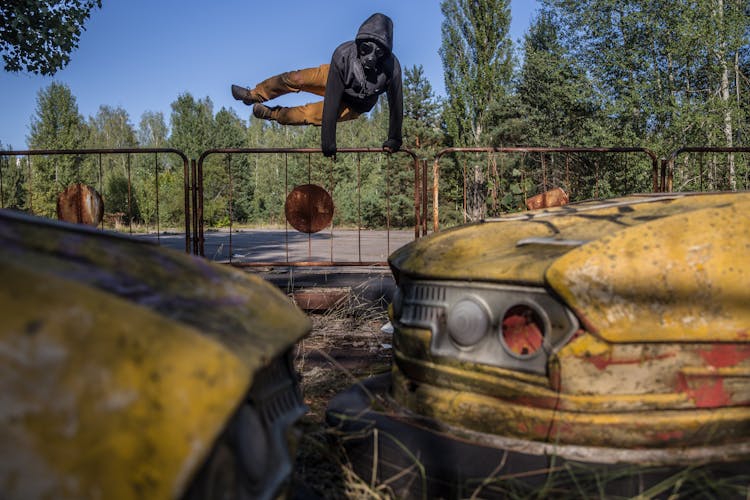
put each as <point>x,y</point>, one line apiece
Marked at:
<point>306,167</point>
<point>36,189</point>
<point>582,172</point>
<point>208,194</point>
<point>707,168</point>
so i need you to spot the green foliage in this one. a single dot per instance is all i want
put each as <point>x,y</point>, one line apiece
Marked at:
<point>118,197</point>
<point>598,73</point>
<point>55,125</point>
<point>13,177</point>
<point>422,109</point>
<point>38,36</point>
<point>477,60</point>
<point>553,103</point>
<point>192,125</point>
<point>668,73</point>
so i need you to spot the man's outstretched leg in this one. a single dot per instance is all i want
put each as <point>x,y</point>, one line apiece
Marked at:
<point>311,80</point>
<point>308,114</point>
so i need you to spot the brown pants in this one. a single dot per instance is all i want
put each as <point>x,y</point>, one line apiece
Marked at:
<point>311,80</point>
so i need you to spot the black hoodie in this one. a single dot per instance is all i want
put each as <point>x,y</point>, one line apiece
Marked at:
<point>347,83</point>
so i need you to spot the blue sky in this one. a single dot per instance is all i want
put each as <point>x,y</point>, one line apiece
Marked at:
<point>141,54</point>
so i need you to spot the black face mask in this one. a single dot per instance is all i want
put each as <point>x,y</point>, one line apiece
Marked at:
<point>369,54</point>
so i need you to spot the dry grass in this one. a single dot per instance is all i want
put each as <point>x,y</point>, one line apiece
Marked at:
<point>346,345</point>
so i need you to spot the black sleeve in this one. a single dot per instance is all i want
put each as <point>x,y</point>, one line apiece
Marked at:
<point>396,107</point>
<point>331,104</point>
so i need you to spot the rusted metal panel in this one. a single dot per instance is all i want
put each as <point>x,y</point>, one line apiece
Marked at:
<point>498,249</point>
<point>80,204</point>
<point>516,418</point>
<point>513,404</point>
<point>309,208</point>
<point>320,299</point>
<point>553,198</point>
<point>76,383</point>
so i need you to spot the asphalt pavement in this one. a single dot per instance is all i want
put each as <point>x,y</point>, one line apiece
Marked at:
<point>293,261</point>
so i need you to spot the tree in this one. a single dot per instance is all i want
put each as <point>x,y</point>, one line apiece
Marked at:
<point>230,174</point>
<point>152,130</point>
<point>477,59</point>
<point>56,125</point>
<point>555,100</point>
<point>12,182</point>
<point>111,129</point>
<point>192,124</point>
<point>478,65</point>
<point>421,111</point>
<point>39,35</point>
<point>670,72</point>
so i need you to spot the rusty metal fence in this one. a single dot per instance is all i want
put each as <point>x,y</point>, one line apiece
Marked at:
<point>707,169</point>
<point>138,191</point>
<point>370,219</point>
<point>347,240</point>
<point>488,181</point>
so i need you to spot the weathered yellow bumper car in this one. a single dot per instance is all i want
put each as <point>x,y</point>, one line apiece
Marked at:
<point>602,333</point>
<point>128,371</point>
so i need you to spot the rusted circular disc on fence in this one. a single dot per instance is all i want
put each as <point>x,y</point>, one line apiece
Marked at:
<point>80,204</point>
<point>309,208</point>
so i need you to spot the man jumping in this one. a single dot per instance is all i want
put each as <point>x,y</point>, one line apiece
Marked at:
<point>360,70</point>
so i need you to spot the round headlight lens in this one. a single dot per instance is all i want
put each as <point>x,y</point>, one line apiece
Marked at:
<point>523,330</point>
<point>467,322</point>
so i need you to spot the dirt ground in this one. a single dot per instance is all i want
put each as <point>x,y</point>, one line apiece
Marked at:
<point>346,344</point>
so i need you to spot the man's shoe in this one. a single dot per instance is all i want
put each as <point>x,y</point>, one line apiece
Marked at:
<point>247,96</point>
<point>263,112</point>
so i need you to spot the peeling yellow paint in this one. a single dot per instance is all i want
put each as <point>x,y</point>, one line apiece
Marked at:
<point>680,278</point>
<point>121,362</point>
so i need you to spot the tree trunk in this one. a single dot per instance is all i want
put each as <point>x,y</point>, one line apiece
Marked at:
<point>725,98</point>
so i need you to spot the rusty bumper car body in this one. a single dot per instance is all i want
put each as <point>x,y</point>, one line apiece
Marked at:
<point>132,371</point>
<point>606,332</point>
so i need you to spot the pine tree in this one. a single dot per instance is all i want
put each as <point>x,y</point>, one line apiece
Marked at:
<point>56,124</point>
<point>421,111</point>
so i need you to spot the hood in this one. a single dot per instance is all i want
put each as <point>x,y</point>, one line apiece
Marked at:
<point>379,28</point>
<point>519,248</point>
<point>119,355</point>
<point>682,276</point>
<point>674,265</point>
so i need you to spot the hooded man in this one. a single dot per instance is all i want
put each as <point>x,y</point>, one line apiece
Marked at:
<point>360,70</point>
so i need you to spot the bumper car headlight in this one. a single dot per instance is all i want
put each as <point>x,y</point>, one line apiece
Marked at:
<point>468,321</point>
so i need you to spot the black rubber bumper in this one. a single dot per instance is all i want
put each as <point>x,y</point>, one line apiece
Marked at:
<point>416,459</point>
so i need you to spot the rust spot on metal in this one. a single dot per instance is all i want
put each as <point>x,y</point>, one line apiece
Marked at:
<point>80,204</point>
<point>320,299</point>
<point>723,355</point>
<point>705,391</point>
<point>309,208</point>
<point>541,430</point>
<point>556,197</point>
<point>601,361</point>
<point>669,436</point>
